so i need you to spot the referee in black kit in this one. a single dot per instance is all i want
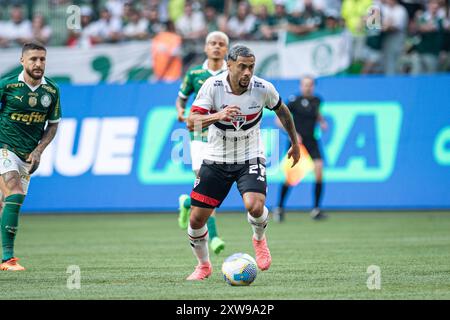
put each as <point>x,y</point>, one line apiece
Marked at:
<point>306,113</point>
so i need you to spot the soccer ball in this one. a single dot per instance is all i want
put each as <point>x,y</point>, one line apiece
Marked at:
<point>239,269</point>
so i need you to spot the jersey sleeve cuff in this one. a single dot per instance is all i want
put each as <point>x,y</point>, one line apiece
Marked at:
<point>182,95</point>
<point>277,105</point>
<point>54,121</point>
<point>199,110</point>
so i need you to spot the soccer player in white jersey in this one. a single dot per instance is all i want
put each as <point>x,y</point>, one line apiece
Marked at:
<point>231,105</point>
<point>216,48</point>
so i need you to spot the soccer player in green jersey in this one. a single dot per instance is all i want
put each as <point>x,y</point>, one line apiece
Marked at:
<point>29,116</point>
<point>216,48</point>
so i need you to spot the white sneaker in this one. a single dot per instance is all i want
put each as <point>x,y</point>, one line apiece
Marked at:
<point>317,214</point>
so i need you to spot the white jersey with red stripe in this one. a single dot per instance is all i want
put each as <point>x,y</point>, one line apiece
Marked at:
<point>238,140</point>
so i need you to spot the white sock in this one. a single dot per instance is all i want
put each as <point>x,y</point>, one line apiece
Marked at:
<point>259,224</point>
<point>198,239</point>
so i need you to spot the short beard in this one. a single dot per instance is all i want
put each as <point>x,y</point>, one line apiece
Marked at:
<point>242,86</point>
<point>33,76</point>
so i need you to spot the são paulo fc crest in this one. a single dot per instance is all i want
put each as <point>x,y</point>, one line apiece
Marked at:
<point>238,121</point>
<point>46,100</point>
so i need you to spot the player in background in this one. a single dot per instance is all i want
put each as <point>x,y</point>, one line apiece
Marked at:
<point>216,47</point>
<point>29,116</point>
<point>305,109</point>
<point>231,105</point>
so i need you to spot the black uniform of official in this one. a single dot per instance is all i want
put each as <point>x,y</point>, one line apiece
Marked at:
<point>305,111</point>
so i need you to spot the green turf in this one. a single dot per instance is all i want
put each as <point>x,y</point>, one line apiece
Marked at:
<point>147,256</point>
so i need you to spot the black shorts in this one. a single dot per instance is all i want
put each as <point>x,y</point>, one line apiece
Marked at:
<point>312,146</point>
<point>215,181</point>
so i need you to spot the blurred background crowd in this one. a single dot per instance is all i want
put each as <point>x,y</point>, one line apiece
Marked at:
<point>409,36</point>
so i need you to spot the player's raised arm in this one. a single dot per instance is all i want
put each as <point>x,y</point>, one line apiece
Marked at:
<point>201,118</point>
<point>203,112</point>
<point>285,117</point>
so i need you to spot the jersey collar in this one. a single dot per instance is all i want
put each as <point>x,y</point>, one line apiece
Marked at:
<point>22,79</point>
<point>227,86</point>
<point>215,73</point>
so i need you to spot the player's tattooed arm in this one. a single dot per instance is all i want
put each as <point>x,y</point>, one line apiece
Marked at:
<point>198,121</point>
<point>35,156</point>
<point>285,117</point>
<point>286,120</point>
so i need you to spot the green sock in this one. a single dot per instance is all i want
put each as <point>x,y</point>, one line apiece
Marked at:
<point>9,224</point>
<point>212,230</point>
<point>187,203</point>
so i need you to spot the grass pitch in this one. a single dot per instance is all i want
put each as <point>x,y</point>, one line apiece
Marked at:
<point>146,256</point>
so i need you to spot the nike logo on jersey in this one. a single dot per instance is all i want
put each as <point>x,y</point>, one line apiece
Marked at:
<point>19,98</point>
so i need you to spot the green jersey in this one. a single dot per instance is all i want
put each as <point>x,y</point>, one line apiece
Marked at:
<point>431,42</point>
<point>192,82</point>
<point>25,111</point>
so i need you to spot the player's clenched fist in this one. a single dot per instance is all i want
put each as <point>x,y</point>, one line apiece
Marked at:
<point>228,113</point>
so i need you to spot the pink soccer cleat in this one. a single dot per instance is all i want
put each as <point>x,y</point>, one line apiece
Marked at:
<point>11,265</point>
<point>263,257</point>
<point>202,271</point>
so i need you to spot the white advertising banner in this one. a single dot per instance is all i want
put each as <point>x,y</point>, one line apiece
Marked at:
<point>317,54</point>
<point>108,63</point>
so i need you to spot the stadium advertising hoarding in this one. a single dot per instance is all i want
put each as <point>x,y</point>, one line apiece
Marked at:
<point>324,54</point>
<point>120,148</point>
